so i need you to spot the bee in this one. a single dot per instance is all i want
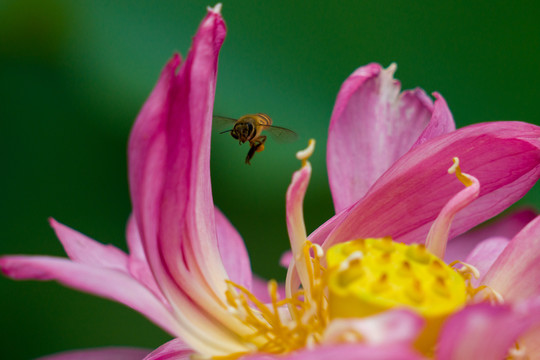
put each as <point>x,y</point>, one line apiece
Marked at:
<point>249,128</point>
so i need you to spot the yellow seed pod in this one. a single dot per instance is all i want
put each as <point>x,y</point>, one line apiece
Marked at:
<point>369,276</point>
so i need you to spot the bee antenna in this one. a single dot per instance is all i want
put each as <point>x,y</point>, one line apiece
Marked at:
<point>223,132</point>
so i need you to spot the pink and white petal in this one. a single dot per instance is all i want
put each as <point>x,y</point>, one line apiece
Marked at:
<point>397,327</point>
<point>506,226</point>
<point>438,233</point>
<point>529,342</point>
<point>233,251</point>
<point>484,255</point>
<point>170,189</point>
<point>82,249</point>
<point>175,349</point>
<point>372,125</point>
<point>480,331</point>
<point>441,122</point>
<point>107,283</point>
<point>404,202</point>
<point>106,353</point>
<point>345,352</point>
<point>516,271</point>
<point>297,229</point>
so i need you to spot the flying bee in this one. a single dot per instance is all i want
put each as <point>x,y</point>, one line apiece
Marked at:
<point>249,128</point>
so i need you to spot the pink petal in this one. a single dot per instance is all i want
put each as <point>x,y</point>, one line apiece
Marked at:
<point>441,122</point>
<point>137,263</point>
<point>480,332</point>
<point>84,250</point>
<point>108,353</point>
<point>516,271</point>
<point>530,340</point>
<point>484,255</point>
<point>397,327</point>
<point>372,125</point>
<point>169,176</point>
<point>404,202</point>
<point>483,331</point>
<point>506,227</point>
<point>173,350</point>
<point>345,352</point>
<point>438,233</point>
<point>233,251</point>
<point>286,258</point>
<point>297,229</point>
<point>111,284</point>
<point>134,241</point>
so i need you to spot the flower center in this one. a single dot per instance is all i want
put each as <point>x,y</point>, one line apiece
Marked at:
<point>369,276</point>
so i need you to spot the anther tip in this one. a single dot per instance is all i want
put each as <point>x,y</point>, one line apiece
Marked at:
<point>305,154</point>
<point>454,166</point>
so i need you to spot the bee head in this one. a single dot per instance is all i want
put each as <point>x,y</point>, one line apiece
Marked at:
<point>242,131</point>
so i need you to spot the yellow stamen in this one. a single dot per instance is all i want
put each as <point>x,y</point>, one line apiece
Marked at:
<point>469,272</point>
<point>457,170</point>
<point>518,352</point>
<point>271,332</point>
<point>305,154</point>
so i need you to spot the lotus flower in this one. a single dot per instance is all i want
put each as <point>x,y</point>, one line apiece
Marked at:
<point>396,207</point>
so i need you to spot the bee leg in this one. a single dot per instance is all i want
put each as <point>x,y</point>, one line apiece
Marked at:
<point>260,146</point>
<point>250,154</point>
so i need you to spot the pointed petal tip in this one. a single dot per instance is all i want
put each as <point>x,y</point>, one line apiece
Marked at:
<point>216,9</point>
<point>52,221</point>
<point>391,69</point>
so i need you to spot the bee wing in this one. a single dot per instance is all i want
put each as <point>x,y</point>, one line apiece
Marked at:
<point>281,134</point>
<point>221,123</point>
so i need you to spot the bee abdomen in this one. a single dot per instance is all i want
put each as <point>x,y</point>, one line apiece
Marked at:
<point>263,119</point>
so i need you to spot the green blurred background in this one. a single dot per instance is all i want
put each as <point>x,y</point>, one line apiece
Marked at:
<point>74,74</point>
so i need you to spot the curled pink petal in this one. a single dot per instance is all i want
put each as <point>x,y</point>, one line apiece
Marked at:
<point>516,271</point>
<point>108,283</point>
<point>169,176</point>
<point>504,227</point>
<point>175,349</point>
<point>438,233</point>
<point>81,248</point>
<point>107,353</point>
<point>404,202</point>
<point>233,251</point>
<point>296,227</point>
